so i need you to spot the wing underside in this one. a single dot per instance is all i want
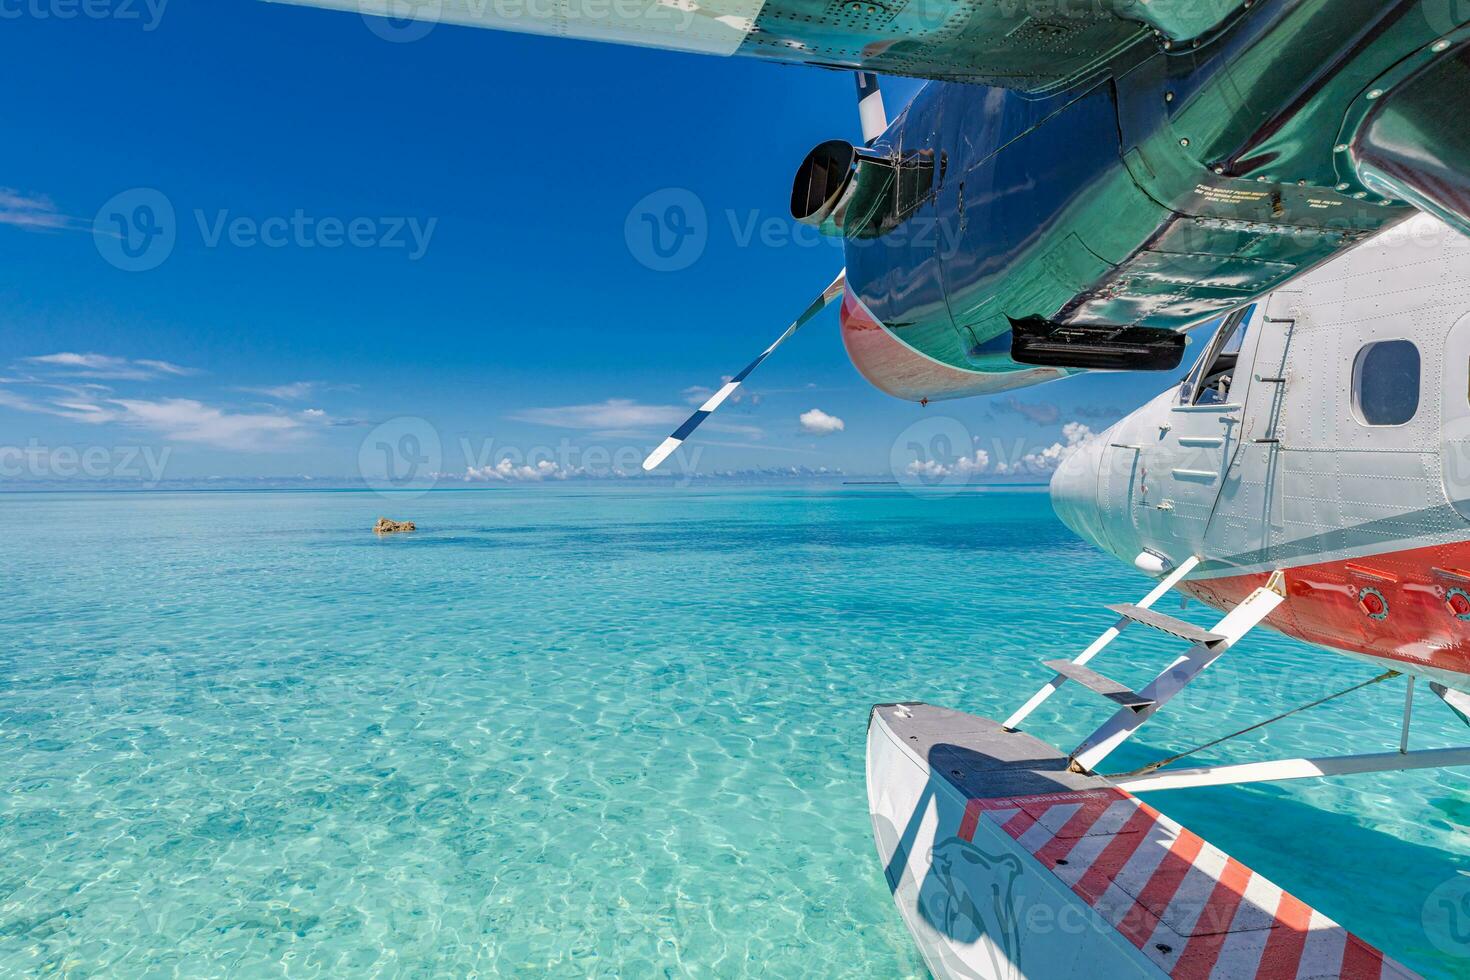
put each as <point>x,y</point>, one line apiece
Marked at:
<point>1010,43</point>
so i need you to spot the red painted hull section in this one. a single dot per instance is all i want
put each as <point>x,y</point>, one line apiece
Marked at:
<point>1325,604</point>
<point>897,369</point>
<point>889,365</point>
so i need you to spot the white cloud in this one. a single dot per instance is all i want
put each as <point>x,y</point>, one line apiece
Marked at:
<point>20,402</point>
<point>177,419</point>
<point>293,392</point>
<point>186,420</point>
<point>1038,463</point>
<point>698,394</point>
<point>620,418</point>
<point>33,212</point>
<point>615,413</point>
<point>1047,460</point>
<point>112,368</point>
<point>819,423</point>
<point>964,466</point>
<point>507,472</point>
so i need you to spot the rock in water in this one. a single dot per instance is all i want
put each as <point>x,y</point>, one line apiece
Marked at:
<point>385,526</point>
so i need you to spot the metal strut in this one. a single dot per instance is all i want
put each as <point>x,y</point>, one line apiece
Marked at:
<point>1155,766</point>
<point>1150,778</point>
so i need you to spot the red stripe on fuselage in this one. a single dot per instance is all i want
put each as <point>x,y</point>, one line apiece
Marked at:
<point>1323,605</point>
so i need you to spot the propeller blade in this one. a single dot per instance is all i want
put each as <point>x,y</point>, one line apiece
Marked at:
<point>673,442</point>
<point>870,107</point>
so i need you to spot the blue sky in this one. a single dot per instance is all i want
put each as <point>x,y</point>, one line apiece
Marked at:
<point>365,234</point>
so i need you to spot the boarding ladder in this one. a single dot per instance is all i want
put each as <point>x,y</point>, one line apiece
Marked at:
<point>1137,707</point>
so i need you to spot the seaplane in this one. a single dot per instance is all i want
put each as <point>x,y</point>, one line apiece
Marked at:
<point>1080,185</point>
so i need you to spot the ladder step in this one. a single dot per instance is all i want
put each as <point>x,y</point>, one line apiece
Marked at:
<point>1105,686</point>
<point>1170,625</point>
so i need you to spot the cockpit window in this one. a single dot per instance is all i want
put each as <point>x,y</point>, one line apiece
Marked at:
<point>1214,373</point>
<point>1386,383</point>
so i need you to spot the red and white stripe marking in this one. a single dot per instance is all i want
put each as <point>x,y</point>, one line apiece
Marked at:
<point>1197,913</point>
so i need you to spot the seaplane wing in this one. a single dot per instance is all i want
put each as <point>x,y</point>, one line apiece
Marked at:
<point>1008,43</point>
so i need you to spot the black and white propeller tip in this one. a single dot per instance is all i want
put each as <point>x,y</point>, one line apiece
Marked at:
<point>673,442</point>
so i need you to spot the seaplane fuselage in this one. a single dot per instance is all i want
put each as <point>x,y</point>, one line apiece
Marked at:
<point>1324,433</point>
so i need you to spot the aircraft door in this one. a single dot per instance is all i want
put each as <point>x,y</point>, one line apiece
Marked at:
<point>1184,462</point>
<point>1248,510</point>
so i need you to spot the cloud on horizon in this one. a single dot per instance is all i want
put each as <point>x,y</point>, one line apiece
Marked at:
<point>1041,462</point>
<point>1046,461</point>
<point>506,471</point>
<point>52,391</point>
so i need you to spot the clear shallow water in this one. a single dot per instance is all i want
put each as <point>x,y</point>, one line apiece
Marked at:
<point>583,732</point>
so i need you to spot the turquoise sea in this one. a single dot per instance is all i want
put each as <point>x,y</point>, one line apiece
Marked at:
<point>582,731</point>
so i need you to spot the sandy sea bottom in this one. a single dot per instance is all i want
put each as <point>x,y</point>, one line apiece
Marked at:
<point>584,732</point>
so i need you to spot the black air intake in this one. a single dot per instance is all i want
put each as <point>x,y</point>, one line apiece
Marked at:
<point>1067,345</point>
<point>841,190</point>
